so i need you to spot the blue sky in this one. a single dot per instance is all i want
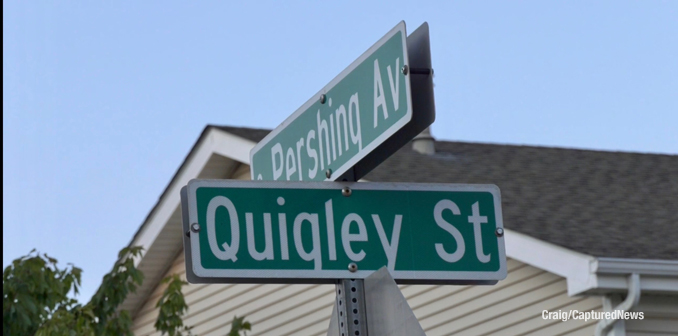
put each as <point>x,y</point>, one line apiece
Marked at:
<point>103,100</point>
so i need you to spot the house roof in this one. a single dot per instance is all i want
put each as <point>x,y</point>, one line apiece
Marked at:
<point>592,217</point>
<point>599,203</point>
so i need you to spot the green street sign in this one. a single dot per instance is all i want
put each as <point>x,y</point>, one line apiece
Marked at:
<point>317,232</point>
<point>352,116</point>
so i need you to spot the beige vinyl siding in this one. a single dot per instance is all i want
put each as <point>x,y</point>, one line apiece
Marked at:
<point>660,316</point>
<point>511,307</point>
<point>242,172</point>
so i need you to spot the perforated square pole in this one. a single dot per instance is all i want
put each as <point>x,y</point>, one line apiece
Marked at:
<point>350,304</point>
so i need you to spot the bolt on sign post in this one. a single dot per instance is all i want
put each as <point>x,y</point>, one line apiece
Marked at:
<point>365,114</point>
<point>317,232</point>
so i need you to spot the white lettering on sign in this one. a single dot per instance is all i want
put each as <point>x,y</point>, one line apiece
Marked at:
<point>312,153</point>
<point>458,238</point>
<point>307,224</point>
<point>329,218</point>
<point>314,253</point>
<point>336,134</point>
<point>391,248</point>
<point>291,164</point>
<point>230,251</point>
<point>476,219</point>
<point>395,89</point>
<point>268,237</point>
<point>347,237</point>
<point>282,225</point>
<point>354,114</point>
<point>380,96</point>
<point>276,152</point>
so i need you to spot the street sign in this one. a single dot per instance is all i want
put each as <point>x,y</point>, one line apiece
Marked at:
<point>317,232</point>
<point>355,115</point>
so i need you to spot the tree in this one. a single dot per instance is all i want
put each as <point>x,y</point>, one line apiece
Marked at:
<point>239,324</point>
<point>36,299</point>
<point>172,307</point>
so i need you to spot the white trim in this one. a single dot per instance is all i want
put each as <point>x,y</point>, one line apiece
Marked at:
<point>232,146</point>
<point>589,275</point>
<point>573,266</point>
<point>215,141</point>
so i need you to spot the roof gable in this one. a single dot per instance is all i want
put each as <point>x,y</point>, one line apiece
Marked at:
<point>556,200</point>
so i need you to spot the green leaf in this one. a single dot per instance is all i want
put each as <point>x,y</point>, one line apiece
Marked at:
<point>239,324</point>
<point>172,307</point>
<point>36,299</point>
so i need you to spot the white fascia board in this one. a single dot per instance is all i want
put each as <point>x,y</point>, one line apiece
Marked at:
<point>215,141</point>
<point>231,146</point>
<point>573,266</point>
<point>586,274</point>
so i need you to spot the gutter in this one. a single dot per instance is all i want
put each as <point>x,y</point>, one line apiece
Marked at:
<point>629,303</point>
<point>608,275</point>
<point>668,268</point>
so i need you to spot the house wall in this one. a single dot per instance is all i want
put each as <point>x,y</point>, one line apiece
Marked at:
<point>661,316</point>
<point>511,307</point>
<point>242,172</point>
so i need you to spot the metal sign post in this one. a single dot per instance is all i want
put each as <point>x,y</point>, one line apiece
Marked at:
<point>350,302</point>
<point>387,312</point>
<point>419,52</point>
<point>351,307</point>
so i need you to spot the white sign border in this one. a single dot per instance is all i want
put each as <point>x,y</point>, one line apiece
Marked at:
<point>279,276</point>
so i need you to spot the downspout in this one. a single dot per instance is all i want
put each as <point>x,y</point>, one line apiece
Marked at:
<point>629,303</point>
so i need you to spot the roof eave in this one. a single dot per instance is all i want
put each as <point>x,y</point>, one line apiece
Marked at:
<point>156,235</point>
<point>585,274</point>
<point>590,275</point>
